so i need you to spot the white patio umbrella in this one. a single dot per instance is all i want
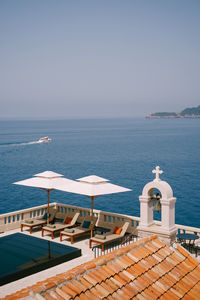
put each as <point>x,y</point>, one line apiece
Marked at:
<point>92,186</point>
<point>47,181</point>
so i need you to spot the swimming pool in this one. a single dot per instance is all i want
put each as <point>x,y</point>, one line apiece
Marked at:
<point>22,255</point>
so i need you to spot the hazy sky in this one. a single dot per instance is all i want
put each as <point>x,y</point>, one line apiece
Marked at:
<point>106,58</point>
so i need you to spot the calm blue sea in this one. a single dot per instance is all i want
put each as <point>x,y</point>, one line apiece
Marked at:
<point>122,150</point>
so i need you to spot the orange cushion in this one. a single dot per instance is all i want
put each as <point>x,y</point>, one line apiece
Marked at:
<point>117,230</point>
<point>67,220</point>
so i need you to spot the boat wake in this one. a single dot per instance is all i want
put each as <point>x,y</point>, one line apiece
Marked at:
<point>17,144</point>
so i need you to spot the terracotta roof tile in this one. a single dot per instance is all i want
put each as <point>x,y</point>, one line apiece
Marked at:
<point>115,266</point>
<point>159,287</point>
<point>103,292</point>
<point>187,283</point>
<point>82,297</point>
<point>115,296</point>
<point>144,252</point>
<point>121,265</point>
<point>182,251</point>
<point>167,281</point>
<point>116,282</point>
<point>181,269</point>
<point>167,251</point>
<point>112,285</point>
<point>195,291</point>
<point>143,283</point>
<point>147,279</point>
<point>56,296</point>
<point>142,264</point>
<point>191,277</point>
<point>196,272</point>
<point>121,295</point>
<point>110,297</point>
<point>169,296</point>
<point>152,247</point>
<point>48,297</point>
<point>73,287</point>
<point>129,291</point>
<point>165,266</point>
<point>139,254</point>
<point>151,260</point>
<point>135,270</point>
<point>108,269</point>
<point>146,264</point>
<point>178,257</point>
<point>139,297</point>
<point>127,260</point>
<point>68,291</point>
<point>165,284</point>
<point>128,274</point>
<point>152,274</point>
<point>90,279</point>
<point>108,287</point>
<point>96,276</point>
<point>92,296</point>
<point>132,256</point>
<point>152,292</point>
<point>78,285</point>
<point>158,244</point>
<point>103,273</point>
<point>62,294</point>
<point>157,257</point>
<point>149,295</point>
<point>98,273</point>
<point>85,282</point>
<point>180,288</point>
<point>189,297</point>
<point>121,280</point>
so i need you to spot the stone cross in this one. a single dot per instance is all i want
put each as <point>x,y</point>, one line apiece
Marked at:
<point>157,171</point>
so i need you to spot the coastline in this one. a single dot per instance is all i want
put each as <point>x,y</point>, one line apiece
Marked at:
<point>178,116</point>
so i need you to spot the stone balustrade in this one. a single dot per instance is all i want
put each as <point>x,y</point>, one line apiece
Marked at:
<point>13,220</point>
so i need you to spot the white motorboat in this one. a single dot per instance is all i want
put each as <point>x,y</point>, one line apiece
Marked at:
<point>45,139</point>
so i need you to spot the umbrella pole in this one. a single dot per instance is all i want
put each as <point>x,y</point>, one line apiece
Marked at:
<point>48,208</point>
<point>92,200</point>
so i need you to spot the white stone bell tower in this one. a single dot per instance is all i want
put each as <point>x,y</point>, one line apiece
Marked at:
<point>166,229</point>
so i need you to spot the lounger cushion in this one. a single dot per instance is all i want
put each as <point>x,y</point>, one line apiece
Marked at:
<point>86,224</point>
<point>67,220</point>
<point>117,230</point>
<point>29,221</point>
<point>51,226</point>
<point>69,230</point>
<point>99,236</point>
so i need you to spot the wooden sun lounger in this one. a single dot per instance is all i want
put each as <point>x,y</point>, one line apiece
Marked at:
<point>59,226</point>
<point>77,231</point>
<point>109,237</point>
<point>32,223</point>
<point>35,223</point>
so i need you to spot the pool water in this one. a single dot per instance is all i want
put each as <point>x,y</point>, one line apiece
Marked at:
<point>22,255</point>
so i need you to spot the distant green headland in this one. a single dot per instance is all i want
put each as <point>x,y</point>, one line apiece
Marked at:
<point>190,112</point>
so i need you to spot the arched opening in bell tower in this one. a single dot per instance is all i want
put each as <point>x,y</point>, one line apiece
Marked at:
<point>155,196</point>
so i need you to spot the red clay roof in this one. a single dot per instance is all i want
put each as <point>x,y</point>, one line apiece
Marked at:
<point>147,269</point>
